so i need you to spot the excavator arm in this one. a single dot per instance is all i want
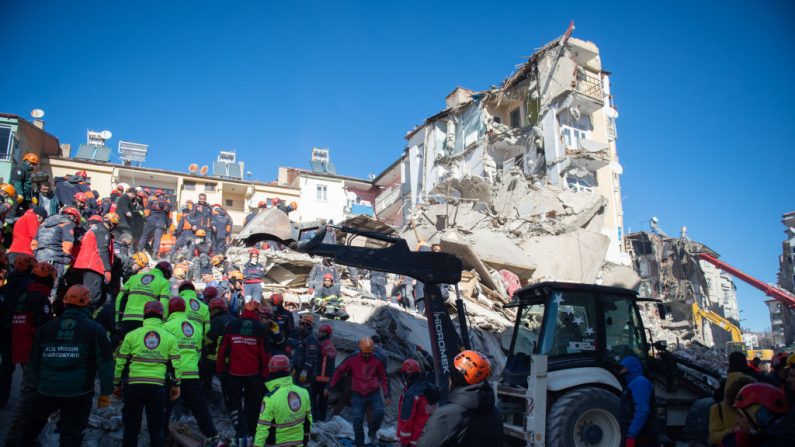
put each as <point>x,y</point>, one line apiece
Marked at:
<point>699,314</point>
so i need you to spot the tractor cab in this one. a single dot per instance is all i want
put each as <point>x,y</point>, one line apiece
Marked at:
<point>574,325</point>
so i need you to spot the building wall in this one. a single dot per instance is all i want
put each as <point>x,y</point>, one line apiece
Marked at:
<point>314,207</point>
<point>783,318</point>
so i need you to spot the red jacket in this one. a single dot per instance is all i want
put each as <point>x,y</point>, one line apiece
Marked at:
<point>366,375</point>
<point>33,309</point>
<point>413,412</point>
<point>326,364</point>
<point>24,232</point>
<point>96,250</point>
<point>242,349</point>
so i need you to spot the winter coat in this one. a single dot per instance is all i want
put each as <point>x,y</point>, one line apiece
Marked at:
<point>123,207</point>
<point>33,309</point>
<point>202,214</point>
<point>326,362</point>
<point>414,409</point>
<point>96,250</point>
<point>24,232</point>
<point>469,418</point>
<point>305,355</point>
<point>54,240</point>
<point>21,179</point>
<point>49,202</point>
<point>722,415</point>
<point>367,375</point>
<point>253,273</point>
<point>284,318</point>
<point>635,414</point>
<point>213,337</point>
<point>145,355</point>
<point>242,349</point>
<point>189,343</point>
<point>222,224</point>
<point>158,211</point>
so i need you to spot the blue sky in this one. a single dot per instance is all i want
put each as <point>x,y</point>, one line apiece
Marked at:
<point>704,91</point>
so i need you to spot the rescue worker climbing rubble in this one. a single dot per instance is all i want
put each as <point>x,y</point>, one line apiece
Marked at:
<point>219,320</point>
<point>328,300</point>
<point>137,292</point>
<point>157,216</point>
<point>305,353</point>
<point>323,373</point>
<point>253,274</point>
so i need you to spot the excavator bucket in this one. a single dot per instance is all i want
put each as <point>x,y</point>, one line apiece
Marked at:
<point>271,224</point>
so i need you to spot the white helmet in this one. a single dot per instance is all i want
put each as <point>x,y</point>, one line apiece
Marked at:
<point>122,187</point>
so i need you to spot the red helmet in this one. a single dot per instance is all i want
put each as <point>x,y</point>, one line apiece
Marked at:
<point>262,204</point>
<point>253,251</point>
<point>78,295</point>
<point>153,307</point>
<point>474,366</point>
<point>186,285</point>
<point>80,197</point>
<point>763,394</point>
<point>279,363</point>
<point>210,293</point>
<point>159,192</point>
<point>218,303</point>
<point>411,366</point>
<point>276,201</point>
<point>95,218</point>
<point>328,276</point>
<point>71,211</point>
<point>277,299</point>
<point>81,174</point>
<point>176,304</point>
<point>165,267</point>
<point>326,328</point>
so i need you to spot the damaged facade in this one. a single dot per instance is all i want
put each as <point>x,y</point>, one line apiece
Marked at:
<point>782,318</point>
<point>551,124</point>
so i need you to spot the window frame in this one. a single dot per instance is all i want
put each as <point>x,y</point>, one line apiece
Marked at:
<point>321,193</point>
<point>10,146</point>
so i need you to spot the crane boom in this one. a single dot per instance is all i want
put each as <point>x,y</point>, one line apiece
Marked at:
<point>774,292</point>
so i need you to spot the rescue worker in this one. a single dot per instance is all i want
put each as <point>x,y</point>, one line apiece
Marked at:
<point>305,351</point>
<point>25,230</point>
<point>286,417</point>
<point>723,415</point>
<point>378,284</point>
<point>242,364</point>
<point>202,214</point>
<point>636,412</point>
<point>80,201</point>
<point>137,292</point>
<point>95,258</point>
<point>469,418</point>
<point>157,215</point>
<point>403,292</point>
<point>184,232</point>
<point>253,274</point>
<point>368,377</point>
<point>318,274</point>
<point>189,341</point>
<point>274,337</point>
<point>55,239</point>
<point>324,372</point>
<point>221,225</point>
<point>125,207</point>
<point>416,403</point>
<point>134,265</point>
<point>236,297</point>
<point>67,354</point>
<point>21,178</point>
<point>146,355</point>
<point>16,286</point>
<point>260,208</point>
<point>197,311</point>
<point>282,316</point>
<point>219,320</point>
<point>764,418</point>
<point>328,299</point>
<point>108,204</point>
<point>138,209</point>
<point>8,201</point>
<point>200,245</point>
<point>46,199</point>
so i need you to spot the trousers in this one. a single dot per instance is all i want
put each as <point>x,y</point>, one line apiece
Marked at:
<point>140,398</point>
<point>153,230</point>
<point>238,389</point>
<point>358,403</point>
<point>192,396</point>
<point>74,418</point>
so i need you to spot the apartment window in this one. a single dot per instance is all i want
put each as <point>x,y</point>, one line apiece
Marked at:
<point>6,143</point>
<point>497,119</point>
<point>189,186</point>
<point>322,193</point>
<point>516,118</point>
<point>574,129</point>
<point>229,202</point>
<point>209,187</point>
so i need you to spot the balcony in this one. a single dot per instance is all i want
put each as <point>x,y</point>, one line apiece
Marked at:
<point>387,198</point>
<point>589,84</point>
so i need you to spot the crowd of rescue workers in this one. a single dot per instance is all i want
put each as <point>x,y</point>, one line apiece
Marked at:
<point>93,303</point>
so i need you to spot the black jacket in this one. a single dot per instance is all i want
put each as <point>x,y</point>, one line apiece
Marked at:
<point>470,418</point>
<point>123,206</point>
<point>50,238</point>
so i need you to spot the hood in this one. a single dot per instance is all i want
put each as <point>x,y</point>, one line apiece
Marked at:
<point>633,366</point>
<point>55,220</point>
<point>478,397</point>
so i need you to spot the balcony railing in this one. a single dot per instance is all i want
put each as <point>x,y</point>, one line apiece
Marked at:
<point>387,198</point>
<point>589,85</point>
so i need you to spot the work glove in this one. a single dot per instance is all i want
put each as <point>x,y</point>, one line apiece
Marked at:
<point>302,377</point>
<point>103,401</point>
<point>35,200</point>
<point>630,442</point>
<point>275,329</point>
<point>107,277</point>
<point>173,393</point>
<point>117,392</point>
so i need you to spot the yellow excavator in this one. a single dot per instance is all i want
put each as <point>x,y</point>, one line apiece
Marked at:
<point>736,344</point>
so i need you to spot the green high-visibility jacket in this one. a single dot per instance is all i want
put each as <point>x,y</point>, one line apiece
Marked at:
<point>148,355</point>
<point>286,415</point>
<point>139,290</point>
<point>196,310</point>
<point>189,342</point>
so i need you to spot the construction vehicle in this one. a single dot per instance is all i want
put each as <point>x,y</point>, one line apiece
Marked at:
<point>560,386</point>
<point>771,290</point>
<point>736,343</point>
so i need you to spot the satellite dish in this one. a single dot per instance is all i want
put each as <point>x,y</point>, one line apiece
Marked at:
<point>654,219</point>
<point>193,168</point>
<point>37,113</point>
<point>203,170</point>
<point>105,134</point>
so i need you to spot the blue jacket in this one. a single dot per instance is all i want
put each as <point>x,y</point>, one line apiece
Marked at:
<point>636,401</point>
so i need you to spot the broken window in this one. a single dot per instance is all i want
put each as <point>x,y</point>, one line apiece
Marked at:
<point>581,180</point>
<point>516,118</point>
<point>322,193</point>
<point>574,129</point>
<point>470,128</point>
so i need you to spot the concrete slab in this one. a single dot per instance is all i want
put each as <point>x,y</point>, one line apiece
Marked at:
<point>498,251</point>
<point>574,257</point>
<point>463,250</point>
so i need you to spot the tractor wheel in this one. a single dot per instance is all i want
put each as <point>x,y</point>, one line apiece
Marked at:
<point>585,417</point>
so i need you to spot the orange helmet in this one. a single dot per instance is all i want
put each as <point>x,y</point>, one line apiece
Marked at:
<point>78,295</point>
<point>112,218</point>
<point>252,305</point>
<point>141,258</point>
<point>31,158</point>
<point>9,189</point>
<point>217,260</point>
<point>366,345</point>
<point>766,395</point>
<point>328,276</point>
<point>24,262</point>
<point>474,366</point>
<point>236,274</point>
<point>201,233</point>
<point>44,270</point>
<point>294,205</point>
<point>277,299</point>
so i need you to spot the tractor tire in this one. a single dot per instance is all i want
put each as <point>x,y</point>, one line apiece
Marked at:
<point>584,417</point>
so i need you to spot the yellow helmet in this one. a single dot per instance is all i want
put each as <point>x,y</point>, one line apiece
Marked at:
<point>112,218</point>
<point>201,233</point>
<point>141,258</point>
<point>236,275</point>
<point>179,272</point>
<point>216,260</point>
